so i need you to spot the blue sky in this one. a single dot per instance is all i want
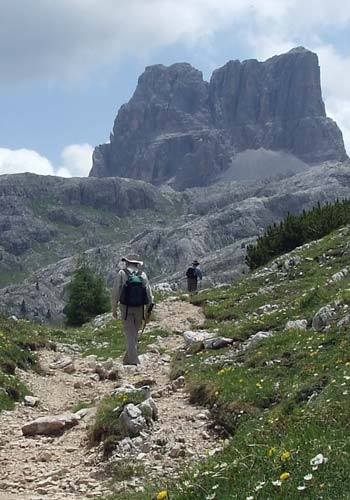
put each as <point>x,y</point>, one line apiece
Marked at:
<point>67,66</point>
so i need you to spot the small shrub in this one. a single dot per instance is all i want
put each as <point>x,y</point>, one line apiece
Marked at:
<point>106,428</point>
<point>87,297</point>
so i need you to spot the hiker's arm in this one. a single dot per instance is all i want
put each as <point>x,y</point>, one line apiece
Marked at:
<point>116,294</point>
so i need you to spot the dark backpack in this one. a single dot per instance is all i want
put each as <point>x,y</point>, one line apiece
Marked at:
<point>134,293</point>
<point>191,273</point>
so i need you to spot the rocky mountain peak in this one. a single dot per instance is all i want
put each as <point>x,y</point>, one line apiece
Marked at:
<point>179,129</point>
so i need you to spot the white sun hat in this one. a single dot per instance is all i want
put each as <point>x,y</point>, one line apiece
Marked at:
<point>132,259</point>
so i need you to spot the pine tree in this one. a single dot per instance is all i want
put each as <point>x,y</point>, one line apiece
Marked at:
<point>296,230</point>
<point>87,296</point>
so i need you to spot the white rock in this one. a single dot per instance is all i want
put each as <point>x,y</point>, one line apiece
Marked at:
<point>192,337</point>
<point>217,343</point>
<point>258,336</point>
<point>323,317</point>
<point>266,308</point>
<point>65,364</point>
<point>178,383</point>
<point>164,287</point>
<point>91,361</point>
<point>52,425</point>
<point>85,412</point>
<point>298,324</point>
<point>145,390</point>
<point>102,319</point>
<point>345,320</point>
<point>31,401</point>
<point>339,275</point>
<point>131,420</point>
<point>68,348</point>
<point>132,410</point>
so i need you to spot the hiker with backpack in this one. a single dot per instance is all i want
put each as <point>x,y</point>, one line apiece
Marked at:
<point>193,274</point>
<point>132,291</point>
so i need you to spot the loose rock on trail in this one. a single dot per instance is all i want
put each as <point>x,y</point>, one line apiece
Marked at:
<point>63,466</point>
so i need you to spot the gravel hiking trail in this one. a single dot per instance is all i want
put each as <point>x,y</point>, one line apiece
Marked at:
<point>65,467</point>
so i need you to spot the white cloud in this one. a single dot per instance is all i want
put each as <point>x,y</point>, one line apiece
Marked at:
<point>76,161</point>
<point>24,160</point>
<point>65,39</point>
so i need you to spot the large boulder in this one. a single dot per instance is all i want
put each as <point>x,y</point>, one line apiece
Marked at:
<point>51,425</point>
<point>323,317</point>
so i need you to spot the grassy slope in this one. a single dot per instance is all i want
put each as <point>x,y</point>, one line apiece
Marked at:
<point>18,340</point>
<point>262,396</point>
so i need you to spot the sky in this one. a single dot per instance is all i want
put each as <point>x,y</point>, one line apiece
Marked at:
<point>66,66</point>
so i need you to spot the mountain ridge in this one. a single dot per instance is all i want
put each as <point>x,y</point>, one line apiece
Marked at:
<point>215,225</point>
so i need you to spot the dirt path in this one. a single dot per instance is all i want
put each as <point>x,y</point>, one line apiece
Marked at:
<point>57,468</point>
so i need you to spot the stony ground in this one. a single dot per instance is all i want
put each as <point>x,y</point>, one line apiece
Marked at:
<point>57,468</point>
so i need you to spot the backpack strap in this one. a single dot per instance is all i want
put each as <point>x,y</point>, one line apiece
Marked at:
<point>127,274</point>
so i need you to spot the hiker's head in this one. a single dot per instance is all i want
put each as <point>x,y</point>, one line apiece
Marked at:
<point>132,261</point>
<point>195,263</point>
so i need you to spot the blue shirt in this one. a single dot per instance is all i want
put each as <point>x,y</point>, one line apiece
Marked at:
<point>198,272</point>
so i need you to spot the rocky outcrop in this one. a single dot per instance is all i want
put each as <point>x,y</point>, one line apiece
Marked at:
<point>215,225</point>
<point>180,130</point>
<point>44,219</point>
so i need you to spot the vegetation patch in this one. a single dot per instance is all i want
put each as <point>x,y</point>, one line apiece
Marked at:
<point>87,296</point>
<point>282,404</point>
<point>18,341</point>
<point>107,428</point>
<point>295,230</point>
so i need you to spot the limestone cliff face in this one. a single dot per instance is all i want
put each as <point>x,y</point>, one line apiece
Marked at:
<point>165,131</point>
<point>44,219</point>
<point>215,225</point>
<point>181,130</point>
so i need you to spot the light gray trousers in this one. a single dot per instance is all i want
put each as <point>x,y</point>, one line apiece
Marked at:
<point>132,320</point>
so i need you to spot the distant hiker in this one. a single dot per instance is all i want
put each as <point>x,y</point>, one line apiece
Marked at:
<point>133,292</point>
<point>193,274</point>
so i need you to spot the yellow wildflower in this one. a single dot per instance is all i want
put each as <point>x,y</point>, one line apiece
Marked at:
<point>271,451</point>
<point>258,385</point>
<point>285,456</point>
<point>284,476</point>
<point>216,393</point>
<point>162,495</point>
